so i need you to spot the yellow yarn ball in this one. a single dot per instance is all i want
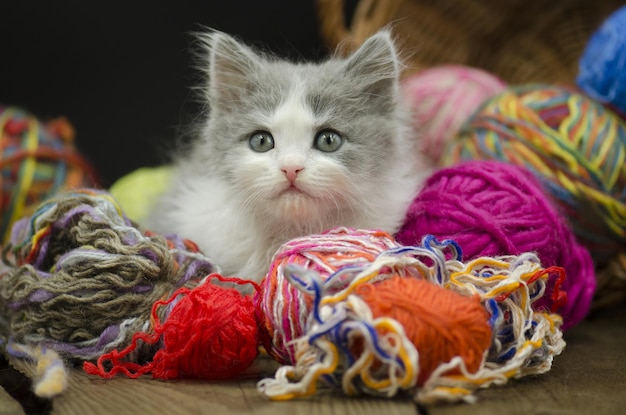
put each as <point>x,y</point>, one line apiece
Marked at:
<point>138,191</point>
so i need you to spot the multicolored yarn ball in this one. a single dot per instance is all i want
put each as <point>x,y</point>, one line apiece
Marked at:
<point>410,320</point>
<point>492,208</point>
<point>602,66</point>
<point>443,98</point>
<point>84,281</point>
<point>37,160</point>
<point>283,311</point>
<point>575,146</point>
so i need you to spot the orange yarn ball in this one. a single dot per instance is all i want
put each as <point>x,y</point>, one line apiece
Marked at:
<point>440,323</point>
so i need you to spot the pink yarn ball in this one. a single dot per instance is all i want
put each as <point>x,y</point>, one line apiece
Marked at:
<point>491,208</point>
<point>443,98</point>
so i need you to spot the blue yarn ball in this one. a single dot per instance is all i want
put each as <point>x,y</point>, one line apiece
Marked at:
<point>602,67</point>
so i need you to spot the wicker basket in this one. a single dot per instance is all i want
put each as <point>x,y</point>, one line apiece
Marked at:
<point>521,41</point>
<point>611,283</point>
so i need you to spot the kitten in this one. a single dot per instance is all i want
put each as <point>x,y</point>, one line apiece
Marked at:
<point>291,149</point>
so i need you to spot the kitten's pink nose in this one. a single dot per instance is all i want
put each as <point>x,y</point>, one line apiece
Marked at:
<point>292,172</point>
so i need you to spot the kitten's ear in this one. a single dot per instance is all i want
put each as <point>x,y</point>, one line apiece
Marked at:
<point>231,64</point>
<point>376,64</point>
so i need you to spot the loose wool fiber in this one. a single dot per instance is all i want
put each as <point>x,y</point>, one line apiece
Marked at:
<point>575,146</point>
<point>85,283</point>
<point>83,278</point>
<point>492,208</point>
<point>443,98</point>
<point>410,319</point>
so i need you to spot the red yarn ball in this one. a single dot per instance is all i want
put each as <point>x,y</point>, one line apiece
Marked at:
<point>211,333</point>
<point>492,208</point>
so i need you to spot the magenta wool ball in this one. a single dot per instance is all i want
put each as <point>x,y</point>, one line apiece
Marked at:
<point>491,208</point>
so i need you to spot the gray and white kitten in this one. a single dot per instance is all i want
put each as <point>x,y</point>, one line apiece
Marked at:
<point>291,149</point>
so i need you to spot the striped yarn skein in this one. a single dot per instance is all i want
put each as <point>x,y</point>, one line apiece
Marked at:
<point>575,146</point>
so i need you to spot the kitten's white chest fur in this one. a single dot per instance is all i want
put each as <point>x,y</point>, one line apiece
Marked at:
<point>334,150</point>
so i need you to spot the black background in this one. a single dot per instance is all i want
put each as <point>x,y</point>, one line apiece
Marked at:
<point>121,70</point>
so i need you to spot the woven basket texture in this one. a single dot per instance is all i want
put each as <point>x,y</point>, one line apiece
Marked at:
<point>521,41</point>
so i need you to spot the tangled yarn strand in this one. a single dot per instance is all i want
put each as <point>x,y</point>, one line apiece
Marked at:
<point>82,278</point>
<point>344,343</point>
<point>50,374</point>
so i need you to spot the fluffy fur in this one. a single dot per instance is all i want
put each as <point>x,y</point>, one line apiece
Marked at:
<point>239,205</point>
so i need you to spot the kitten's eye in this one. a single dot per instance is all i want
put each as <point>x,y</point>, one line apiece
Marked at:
<point>328,141</point>
<point>261,142</point>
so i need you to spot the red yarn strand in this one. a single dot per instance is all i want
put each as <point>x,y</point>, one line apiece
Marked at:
<point>182,358</point>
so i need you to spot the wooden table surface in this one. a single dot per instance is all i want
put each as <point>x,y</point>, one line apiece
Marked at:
<point>588,378</point>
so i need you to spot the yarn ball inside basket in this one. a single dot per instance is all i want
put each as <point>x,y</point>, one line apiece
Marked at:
<point>492,208</point>
<point>443,98</point>
<point>602,66</point>
<point>574,145</point>
<point>37,160</point>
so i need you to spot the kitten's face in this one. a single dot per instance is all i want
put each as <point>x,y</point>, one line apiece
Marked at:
<point>301,143</point>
